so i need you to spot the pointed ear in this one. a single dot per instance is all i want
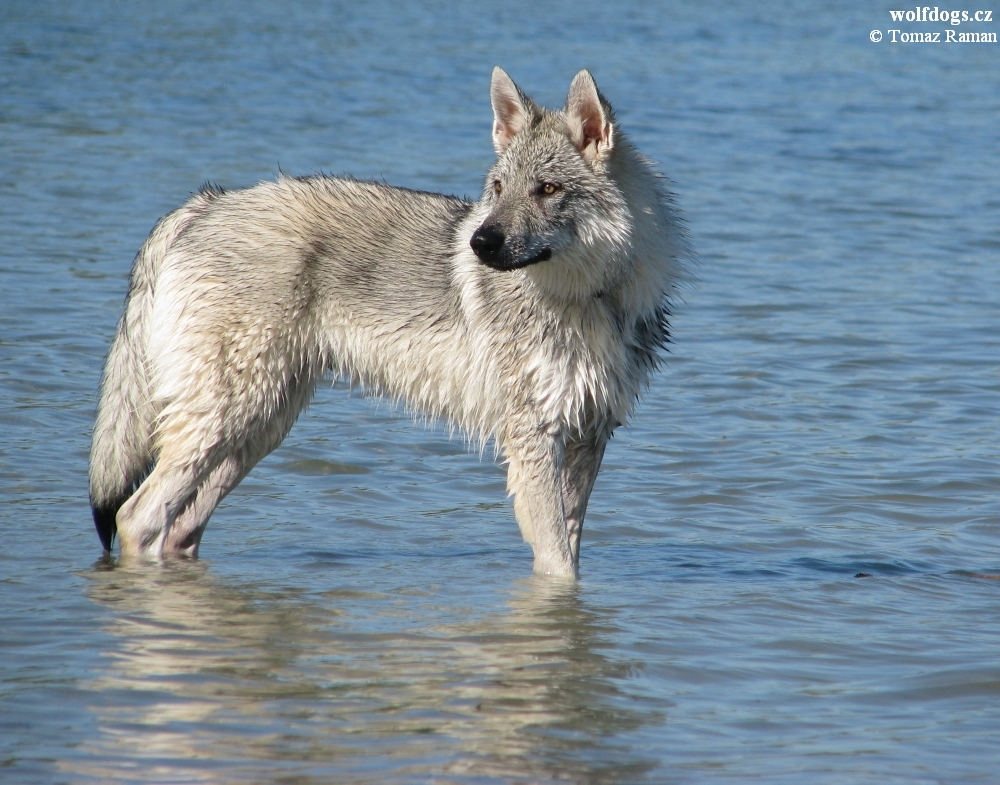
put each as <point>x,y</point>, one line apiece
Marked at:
<point>511,109</point>
<point>591,119</point>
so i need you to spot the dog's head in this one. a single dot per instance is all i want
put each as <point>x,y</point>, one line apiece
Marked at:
<point>555,200</point>
<point>570,201</point>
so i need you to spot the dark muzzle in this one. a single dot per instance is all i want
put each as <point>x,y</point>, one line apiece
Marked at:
<point>488,244</point>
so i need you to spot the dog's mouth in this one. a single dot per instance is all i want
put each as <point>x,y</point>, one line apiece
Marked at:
<point>542,256</point>
<point>489,243</point>
<point>499,262</point>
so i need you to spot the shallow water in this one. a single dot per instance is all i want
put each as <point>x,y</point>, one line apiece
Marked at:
<point>363,610</point>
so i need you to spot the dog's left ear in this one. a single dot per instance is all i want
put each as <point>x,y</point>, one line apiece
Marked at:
<point>591,118</point>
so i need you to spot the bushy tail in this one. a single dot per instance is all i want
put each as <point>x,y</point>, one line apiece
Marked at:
<point>121,453</point>
<point>121,450</point>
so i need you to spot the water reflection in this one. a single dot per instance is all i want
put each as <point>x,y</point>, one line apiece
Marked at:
<point>223,682</point>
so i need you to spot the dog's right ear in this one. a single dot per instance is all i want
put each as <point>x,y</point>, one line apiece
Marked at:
<point>511,109</point>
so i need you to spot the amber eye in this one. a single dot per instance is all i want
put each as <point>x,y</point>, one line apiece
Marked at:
<point>497,188</point>
<point>550,188</point>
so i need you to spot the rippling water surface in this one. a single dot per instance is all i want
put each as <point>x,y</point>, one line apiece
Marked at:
<point>363,610</point>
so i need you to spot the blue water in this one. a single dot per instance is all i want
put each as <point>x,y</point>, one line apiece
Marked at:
<point>363,610</point>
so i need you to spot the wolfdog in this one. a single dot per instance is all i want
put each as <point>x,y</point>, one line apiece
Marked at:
<point>533,316</point>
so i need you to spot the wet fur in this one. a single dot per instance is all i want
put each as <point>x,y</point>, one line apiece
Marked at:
<point>240,302</point>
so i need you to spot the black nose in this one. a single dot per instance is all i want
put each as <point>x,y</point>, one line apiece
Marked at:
<point>486,242</point>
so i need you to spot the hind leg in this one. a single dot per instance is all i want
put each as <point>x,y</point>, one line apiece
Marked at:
<point>169,512</point>
<point>231,465</point>
<point>183,465</point>
<point>195,470</point>
<point>145,519</point>
<point>184,535</point>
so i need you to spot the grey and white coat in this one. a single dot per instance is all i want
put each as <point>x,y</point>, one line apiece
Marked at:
<point>533,316</point>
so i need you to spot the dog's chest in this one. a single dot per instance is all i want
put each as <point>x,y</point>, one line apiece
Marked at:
<point>577,366</point>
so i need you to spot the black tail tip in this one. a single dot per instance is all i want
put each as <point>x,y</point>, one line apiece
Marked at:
<point>104,521</point>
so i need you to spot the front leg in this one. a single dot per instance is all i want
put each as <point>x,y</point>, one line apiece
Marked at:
<point>535,477</point>
<point>582,461</point>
